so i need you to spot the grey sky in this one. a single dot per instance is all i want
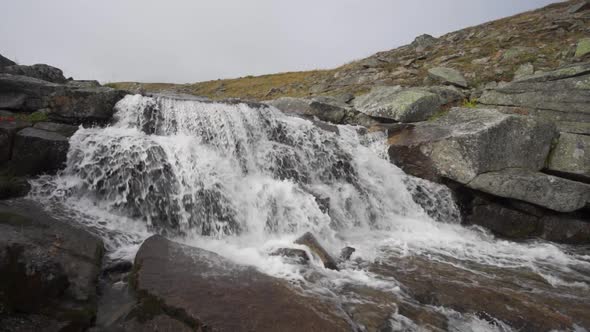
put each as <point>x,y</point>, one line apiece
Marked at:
<point>195,40</point>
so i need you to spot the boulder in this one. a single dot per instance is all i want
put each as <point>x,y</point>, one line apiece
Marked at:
<point>85,105</point>
<point>324,108</point>
<point>562,95</point>
<point>583,48</point>
<point>6,62</point>
<point>424,41</point>
<point>524,70</point>
<point>208,292</point>
<point>38,151</point>
<point>312,243</point>
<point>447,94</point>
<point>22,93</point>
<point>40,71</point>
<point>548,191</point>
<point>448,76</point>
<point>60,128</point>
<point>346,253</point>
<point>47,267</point>
<point>504,221</point>
<point>397,104</point>
<point>566,229</point>
<point>571,156</point>
<point>11,187</point>
<point>467,142</point>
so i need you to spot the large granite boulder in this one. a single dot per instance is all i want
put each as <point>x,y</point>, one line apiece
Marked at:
<point>48,269</point>
<point>549,191</point>
<point>571,156</point>
<point>559,95</point>
<point>448,76</point>
<point>38,151</point>
<point>467,142</point>
<point>40,71</point>
<point>205,291</point>
<point>398,104</point>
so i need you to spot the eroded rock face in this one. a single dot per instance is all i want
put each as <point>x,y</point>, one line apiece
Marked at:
<point>40,71</point>
<point>36,150</point>
<point>552,192</point>
<point>398,104</point>
<point>48,268</point>
<point>467,142</point>
<point>562,94</point>
<point>571,156</point>
<point>203,290</point>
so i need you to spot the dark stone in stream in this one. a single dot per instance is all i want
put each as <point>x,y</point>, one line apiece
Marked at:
<point>346,253</point>
<point>38,151</point>
<point>296,254</point>
<point>48,270</point>
<point>200,290</point>
<point>312,243</point>
<point>11,187</point>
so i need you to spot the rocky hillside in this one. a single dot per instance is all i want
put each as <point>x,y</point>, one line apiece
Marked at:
<point>497,51</point>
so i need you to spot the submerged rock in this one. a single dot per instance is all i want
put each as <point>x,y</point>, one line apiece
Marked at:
<point>346,253</point>
<point>202,290</point>
<point>398,104</point>
<point>296,254</point>
<point>312,243</point>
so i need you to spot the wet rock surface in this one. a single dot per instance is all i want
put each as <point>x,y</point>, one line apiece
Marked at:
<point>172,279</point>
<point>48,270</point>
<point>312,243</point>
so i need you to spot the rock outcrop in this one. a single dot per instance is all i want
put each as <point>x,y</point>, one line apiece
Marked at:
<point>195,289</point>
<point>397,104</point>
<point>40,110</point>
<point>48,270</point>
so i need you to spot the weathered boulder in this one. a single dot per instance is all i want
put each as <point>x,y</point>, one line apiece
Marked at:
<point>580,6</point>
<point>40,71</point>
<point>324,108</point>
<point>424,41</point>
<point>47,267</point>
<point>554,193</point>
<point>447,94</point>
<point>562,94</point>
<point>571,156</point>
<point>398,104</point>
<point>38,151</point>
<point>11,187</point>
<point>583,48</point>
<point>448,76</point>
<point>467,142</point>
<point>22,93</point>
<point>566,229</point>
<point>206,291</point>
<point>84,105</point>
<point>6,62</point>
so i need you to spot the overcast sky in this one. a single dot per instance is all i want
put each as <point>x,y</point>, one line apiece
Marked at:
<point>194,40</point>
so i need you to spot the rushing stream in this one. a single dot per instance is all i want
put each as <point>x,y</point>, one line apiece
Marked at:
<point>243,180</point>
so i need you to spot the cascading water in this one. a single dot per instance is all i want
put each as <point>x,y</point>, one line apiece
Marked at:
<point>243,179</point>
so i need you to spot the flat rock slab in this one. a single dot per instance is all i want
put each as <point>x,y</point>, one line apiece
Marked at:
<point>467,142</point>
<point>209,292</point>
<point>548,191</point>
<point>571,156</point>
<point>398,104</point>
<point>565,90</point>
<point>448,76</point>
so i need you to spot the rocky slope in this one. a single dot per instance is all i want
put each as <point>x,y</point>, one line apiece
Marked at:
<point>543,39</point>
